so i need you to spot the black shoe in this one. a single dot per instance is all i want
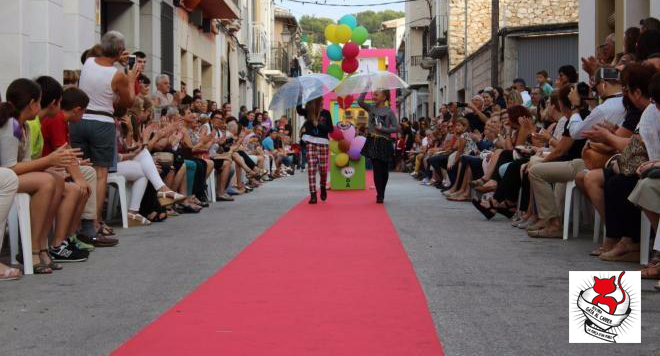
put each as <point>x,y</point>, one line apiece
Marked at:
<point>324,194</point>
<point>379,200</point>
<point>67,253</point>
<point>312,200</point>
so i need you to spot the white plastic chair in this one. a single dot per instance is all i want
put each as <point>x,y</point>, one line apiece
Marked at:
<point>597,226</point>
<point>568,202</point>
<point>19,220</point>
<point>120,182</point>
<point>210,187</point>
<point>644,240</point>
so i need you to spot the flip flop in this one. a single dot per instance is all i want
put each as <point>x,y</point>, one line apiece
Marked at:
<point>11,274</point>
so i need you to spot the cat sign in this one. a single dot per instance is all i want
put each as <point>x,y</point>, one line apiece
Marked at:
<point>605,307</point>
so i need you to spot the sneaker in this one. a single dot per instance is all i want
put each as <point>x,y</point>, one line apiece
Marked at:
<point>73,240</point>
<point>232,191</point>
<point>425,181</point>
<point>67,253</point>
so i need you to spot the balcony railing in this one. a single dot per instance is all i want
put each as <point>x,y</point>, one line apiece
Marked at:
<point>258,46</point>
<point>279,59</point>
<point>416,60</point>
<point>435,37</point>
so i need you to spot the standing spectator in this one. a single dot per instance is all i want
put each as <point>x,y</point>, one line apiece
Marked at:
<point>95,133</point>
<point>544,82</point>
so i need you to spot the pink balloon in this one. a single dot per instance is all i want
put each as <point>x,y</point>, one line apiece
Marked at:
<point>336,134</point>
<point>358,143</point>
<point>354,153</point>
<point>350,50</point>
<point>348,132</point>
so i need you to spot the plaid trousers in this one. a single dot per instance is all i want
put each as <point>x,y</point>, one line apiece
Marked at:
<point>317,157</point>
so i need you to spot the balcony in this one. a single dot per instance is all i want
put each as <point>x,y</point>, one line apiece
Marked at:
<point>416,60</point>
<point>279,66</point>
<point>437,37</point>
<point>258,46</point>
<point>220,9</point>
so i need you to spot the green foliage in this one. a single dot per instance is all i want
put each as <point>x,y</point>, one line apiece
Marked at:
<point>314,26</point>
<point>316,58</point>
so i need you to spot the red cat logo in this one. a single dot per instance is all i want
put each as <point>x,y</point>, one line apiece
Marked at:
<point>604,305</point>
<point>604,287</point>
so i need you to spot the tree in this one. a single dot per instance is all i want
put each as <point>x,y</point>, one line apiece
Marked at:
<point>372,21</point>
<point>315,27</point>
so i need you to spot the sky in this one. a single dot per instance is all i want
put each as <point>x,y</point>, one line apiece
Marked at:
<point>334,12</point>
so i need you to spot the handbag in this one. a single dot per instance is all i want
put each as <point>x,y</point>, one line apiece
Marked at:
<point>633,155</point>
<point>596,156</point>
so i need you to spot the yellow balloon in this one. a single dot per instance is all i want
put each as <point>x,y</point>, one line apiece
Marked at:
<point>330,32</point>
<point>341,159</point>
<point>343,33</point>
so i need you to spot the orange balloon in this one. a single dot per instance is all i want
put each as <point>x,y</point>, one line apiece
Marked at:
<point>344,145</point>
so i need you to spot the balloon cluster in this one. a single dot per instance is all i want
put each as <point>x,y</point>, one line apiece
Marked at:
<point>346,145</point>
<point>347,32</point>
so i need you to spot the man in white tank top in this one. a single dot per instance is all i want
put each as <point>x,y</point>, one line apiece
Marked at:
<point>95,134</point>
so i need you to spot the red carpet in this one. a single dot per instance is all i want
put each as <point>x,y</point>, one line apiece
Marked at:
<point>332,279</point>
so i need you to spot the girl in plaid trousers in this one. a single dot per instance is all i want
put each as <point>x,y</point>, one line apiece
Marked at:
<point>318,124</point>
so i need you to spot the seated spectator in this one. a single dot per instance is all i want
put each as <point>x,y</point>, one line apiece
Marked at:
<point>23,104</point>
<point>8,189</point>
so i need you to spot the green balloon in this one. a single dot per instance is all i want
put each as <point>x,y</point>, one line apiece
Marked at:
<point>335,70</point>
<point>360,35</point>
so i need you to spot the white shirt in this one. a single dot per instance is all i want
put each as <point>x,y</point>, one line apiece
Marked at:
<point>96,81</point>
<point>526,98</point>
<point>649,129</point>
<point>559,128</point>
<point>425,141</point>
<point>611,110</point>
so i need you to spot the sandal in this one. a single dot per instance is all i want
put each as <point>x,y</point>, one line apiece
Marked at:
<point>106,230</point>
<point>651,271</point>
<point>135,219</point>
<point>52,265</point>
<point>488,211</point>
<point>38,268</point>
<point>10,274</point>
<point>169,197</point>
<point>172,212</point>
<point>458,198</point>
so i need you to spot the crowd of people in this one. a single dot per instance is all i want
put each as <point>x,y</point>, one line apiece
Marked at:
<point>511,151</point>
<point>59,144</point>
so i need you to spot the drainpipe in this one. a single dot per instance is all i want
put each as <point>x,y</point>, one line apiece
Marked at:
<point>465,74</point>
<point>495,43</point>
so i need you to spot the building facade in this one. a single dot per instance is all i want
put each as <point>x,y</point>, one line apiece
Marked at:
<point>222,47</point>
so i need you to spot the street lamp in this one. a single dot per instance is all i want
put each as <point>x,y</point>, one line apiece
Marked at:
<point>286,35</point>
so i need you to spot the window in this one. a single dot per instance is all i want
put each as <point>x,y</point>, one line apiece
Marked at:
<point>167,40</point>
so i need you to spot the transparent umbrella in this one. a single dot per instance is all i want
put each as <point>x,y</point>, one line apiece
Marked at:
<point>300,90</point>
<point>368,82</point>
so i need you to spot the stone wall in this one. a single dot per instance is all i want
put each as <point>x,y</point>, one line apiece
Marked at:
<point>513,13</point>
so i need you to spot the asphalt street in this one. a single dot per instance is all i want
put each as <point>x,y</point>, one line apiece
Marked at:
<point>491,289</point>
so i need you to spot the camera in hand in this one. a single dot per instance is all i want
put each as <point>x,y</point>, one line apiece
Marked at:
<point>461,105</point>
<point>131,62</point>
